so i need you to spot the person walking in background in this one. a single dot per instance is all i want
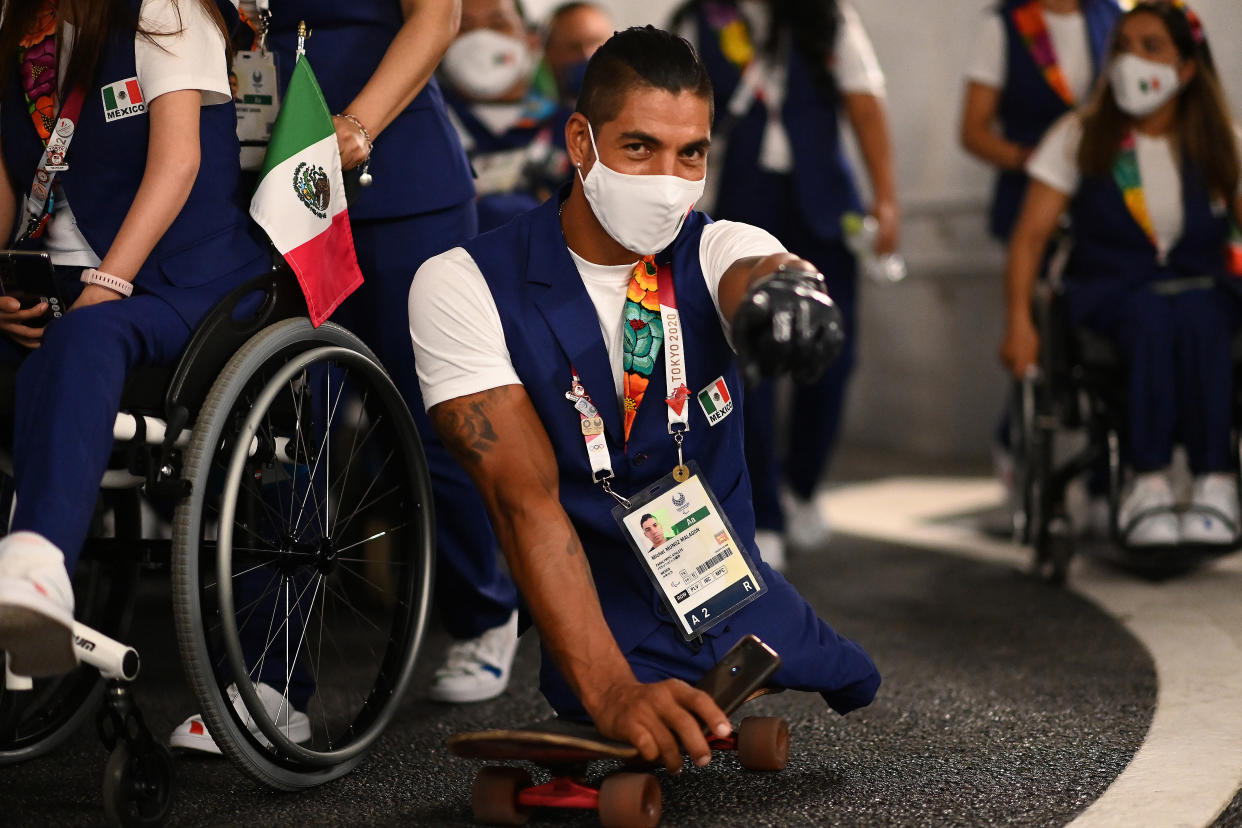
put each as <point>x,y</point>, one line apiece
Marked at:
<point>783,71</point>
<point>513,135</point>
<point>1150,173</point>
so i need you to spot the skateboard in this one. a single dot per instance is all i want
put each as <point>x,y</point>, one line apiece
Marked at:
<point>628,798</point>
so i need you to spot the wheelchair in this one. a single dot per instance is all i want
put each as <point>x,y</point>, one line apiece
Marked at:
<point>301,546</point>
<point>1067,420</point>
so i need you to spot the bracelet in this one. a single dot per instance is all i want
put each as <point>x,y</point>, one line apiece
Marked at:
<point>366,136</point>
<point>91,276</point>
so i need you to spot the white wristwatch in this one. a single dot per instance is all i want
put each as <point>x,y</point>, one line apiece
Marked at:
<point>91,276</point>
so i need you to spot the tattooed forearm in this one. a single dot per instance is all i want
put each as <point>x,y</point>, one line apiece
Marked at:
<point>464,426</point>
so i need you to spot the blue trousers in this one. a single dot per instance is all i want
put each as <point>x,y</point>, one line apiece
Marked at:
<point>814,657</point>
<point>796,451</point>
<point>1177,351</point>
<point>473,591</point>
<point>68,393</point>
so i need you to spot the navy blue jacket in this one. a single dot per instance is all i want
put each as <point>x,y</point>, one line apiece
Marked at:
<point>417,163</point>
<point>211,247</point>
<point>823,182</point>
<point>550,324</point>
<point>1028,105</point>
<point>1112,254</point>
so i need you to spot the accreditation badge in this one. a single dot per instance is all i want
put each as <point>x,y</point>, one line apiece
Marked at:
<point>690,552</point>
<point>257,100</point>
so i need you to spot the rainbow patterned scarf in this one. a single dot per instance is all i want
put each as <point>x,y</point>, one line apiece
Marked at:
<point>1126,174</point>
<point>1034,30</point>
<point>36,57</point>
<point>643,332</point>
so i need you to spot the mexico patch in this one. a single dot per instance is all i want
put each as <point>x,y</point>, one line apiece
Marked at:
<point>715,401</point>
<point>123,99</point>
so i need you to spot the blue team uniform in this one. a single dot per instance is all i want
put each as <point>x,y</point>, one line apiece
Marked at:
<point>549,326</point>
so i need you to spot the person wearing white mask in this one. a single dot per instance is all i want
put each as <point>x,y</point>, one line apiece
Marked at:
<point>513,135</point>
<point>584,362</point>
<point>1149,172</point>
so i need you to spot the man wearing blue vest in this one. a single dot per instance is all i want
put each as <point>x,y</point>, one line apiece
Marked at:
<point>578,362</point>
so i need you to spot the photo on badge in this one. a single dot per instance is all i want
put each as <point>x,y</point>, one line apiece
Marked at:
<point>690,552</point>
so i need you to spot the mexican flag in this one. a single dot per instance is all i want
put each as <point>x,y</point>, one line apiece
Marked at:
<point>300,200</point>
<point>714,397</point>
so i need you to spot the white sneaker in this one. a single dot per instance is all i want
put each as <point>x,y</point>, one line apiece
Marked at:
<point>192,733</point>
<point>36,606</point>
<point>477,669</point>
<point>1213,513</point>
<point>1146,516</point>
<point>771,548</point>
<point>806,528</point>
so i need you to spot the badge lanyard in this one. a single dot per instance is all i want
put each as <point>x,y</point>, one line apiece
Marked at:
<point>39,201</point>
<point>677,401</point>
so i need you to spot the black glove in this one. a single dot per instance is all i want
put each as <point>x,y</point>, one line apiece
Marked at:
<point>787,323</point>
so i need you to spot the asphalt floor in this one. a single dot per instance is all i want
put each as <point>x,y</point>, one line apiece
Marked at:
<point>1006,701</point>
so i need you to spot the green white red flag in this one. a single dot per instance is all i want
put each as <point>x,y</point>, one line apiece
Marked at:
<point>300,200</point>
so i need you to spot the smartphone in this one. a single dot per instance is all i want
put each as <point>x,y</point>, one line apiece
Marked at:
<point>744,669</point>
<point>29,276</point>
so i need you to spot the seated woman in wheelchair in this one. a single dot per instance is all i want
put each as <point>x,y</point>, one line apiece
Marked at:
<point>1149,172</point>
<point>121,161</point>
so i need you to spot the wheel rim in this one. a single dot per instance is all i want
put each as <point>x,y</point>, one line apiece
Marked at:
<point>295,551</point>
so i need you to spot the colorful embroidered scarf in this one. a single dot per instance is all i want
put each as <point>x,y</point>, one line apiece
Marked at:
<point>643,332</point>
<point>1030,22</point>
<point>1126,174</point>
<point>36,57</point>
<point>731,31</point>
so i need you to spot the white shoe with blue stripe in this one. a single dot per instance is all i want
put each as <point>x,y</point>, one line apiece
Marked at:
<point>477,669</point>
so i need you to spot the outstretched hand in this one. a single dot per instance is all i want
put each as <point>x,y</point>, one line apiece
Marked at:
<point>787,323</point>
<point>661,719</point>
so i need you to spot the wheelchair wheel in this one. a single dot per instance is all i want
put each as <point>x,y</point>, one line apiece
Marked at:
<point>36,721</point>
<point>303,555</point>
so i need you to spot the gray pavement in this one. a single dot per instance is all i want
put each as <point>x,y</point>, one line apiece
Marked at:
<point>1005,702</point>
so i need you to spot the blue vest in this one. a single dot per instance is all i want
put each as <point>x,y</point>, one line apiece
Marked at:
<point>550,324</point>
<point>545,121</point>
<point>211,247</point>
<point>1028,105</point>
<point>417,163</point>
<point>1113,256</point>
<point>822,181</point>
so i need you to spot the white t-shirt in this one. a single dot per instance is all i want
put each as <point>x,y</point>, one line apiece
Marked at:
<point>192,59</point>
<point>459,342</point>
<point>1055,163</point>
<point>1070,43</point>
<point>854,67</point>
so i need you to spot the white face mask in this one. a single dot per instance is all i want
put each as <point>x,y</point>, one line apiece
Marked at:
<point>1141,86</point>
<point>484,64</point>
<point>643,213</point>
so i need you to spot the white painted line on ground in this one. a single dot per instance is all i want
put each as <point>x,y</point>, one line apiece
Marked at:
<point>1189,767</point>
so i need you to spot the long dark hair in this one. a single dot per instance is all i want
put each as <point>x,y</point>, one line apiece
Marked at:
<point>1202,132</point>
<point>93,19</point>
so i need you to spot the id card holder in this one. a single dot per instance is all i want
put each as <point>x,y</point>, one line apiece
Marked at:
<point>690,551</point>
<point>257,99</point>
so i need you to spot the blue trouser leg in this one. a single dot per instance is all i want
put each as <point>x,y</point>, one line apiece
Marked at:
<point>1204,323</point>
<point>814,657</point>
<point>816,409</point>
<point>473,592</point>
<point>763,462</point>
<point>68,393</point>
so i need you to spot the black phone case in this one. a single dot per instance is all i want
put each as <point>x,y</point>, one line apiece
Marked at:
<point>30,278</point>
<point>743,670</point>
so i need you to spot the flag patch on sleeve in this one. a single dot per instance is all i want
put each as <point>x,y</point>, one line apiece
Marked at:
<point>123,99</point>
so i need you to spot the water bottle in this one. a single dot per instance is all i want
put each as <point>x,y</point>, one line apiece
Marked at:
<point>860,231</point>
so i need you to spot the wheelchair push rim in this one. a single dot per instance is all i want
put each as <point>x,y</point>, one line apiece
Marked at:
<point>308,539</point>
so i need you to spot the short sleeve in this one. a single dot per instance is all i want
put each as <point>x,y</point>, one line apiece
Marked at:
<point>724,242</point>
<point>987,63</point>
<point>1055,160</point>
<point>459,342</point>
<point>185,50</point>
<point>854,64</point>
